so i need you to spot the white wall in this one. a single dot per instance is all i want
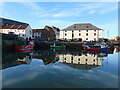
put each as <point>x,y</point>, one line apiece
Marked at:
<point>91,36</point>
<point>91,59</point>
<point>28,32</point>
<point>20,32</point>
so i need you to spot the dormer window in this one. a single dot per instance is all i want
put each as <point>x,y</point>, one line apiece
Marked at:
<point>87,26</point>
<point>74,26</point>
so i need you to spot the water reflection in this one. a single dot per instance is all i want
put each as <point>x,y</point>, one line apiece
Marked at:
<point>11,59</point>
<point>59,69</point>
<point>83,61</point>
<point>117,49</point>
<point>74,59</point>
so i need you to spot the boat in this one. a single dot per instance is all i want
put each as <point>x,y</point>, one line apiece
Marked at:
<point>25,50</point>
<point>57,47</point>
<point>103,48</point>
<point>26,47</point>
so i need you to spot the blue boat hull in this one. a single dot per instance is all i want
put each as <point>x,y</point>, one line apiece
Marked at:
<point>103,50</point>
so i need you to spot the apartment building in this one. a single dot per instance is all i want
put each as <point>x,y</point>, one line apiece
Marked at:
<point>23,31</point>
<point>84,31</point>
<point>19,28</point>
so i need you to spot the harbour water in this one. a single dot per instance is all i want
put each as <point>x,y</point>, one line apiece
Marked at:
<point>60,69</point>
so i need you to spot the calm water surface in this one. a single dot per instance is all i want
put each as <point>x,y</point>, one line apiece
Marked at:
<point>60,69</point>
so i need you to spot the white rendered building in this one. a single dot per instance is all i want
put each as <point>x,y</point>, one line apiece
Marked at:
<point>84,31</point>
<point>23,31</point>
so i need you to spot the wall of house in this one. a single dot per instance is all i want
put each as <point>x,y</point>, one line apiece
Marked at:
<point>28,32</point>
<point>81,34</point>
<point>20,32</point>
<point>90,59</point>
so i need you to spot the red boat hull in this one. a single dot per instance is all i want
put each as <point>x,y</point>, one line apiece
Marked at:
<point>97,50</point>
<point>27,47</point>
<point>30,50</point>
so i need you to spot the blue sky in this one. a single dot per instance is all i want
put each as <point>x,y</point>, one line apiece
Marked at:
<point>63,14</point>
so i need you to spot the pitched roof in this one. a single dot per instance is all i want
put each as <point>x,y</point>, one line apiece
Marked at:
<point>23,27</point>
<point>8,27</point>
<point>57,29</point>
<point>15,27</point>
<point>37,30</point>
<point>82,26</point>
<point>11,22</point>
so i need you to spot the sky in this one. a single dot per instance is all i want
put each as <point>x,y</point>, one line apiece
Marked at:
<point>63,14</point>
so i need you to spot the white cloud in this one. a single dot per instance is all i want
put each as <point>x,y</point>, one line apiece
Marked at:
<point>99,8</point>
<point>32,5</point>
<point>76,10</point>
<point>92,12</point>
<point>59,15</point>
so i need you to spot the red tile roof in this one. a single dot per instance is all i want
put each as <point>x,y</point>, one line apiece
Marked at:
<point>15,26</point>
<point>8,27</point>
<point>23,26</point>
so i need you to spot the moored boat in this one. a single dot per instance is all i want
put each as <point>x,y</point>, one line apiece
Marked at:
<point>58,47</point>
<point>97,48</point>
<point>28,46</point>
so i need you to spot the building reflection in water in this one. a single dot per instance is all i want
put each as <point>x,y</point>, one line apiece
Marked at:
<point>11,59</point>
<point>26,60</point>
<point>73,59</point>
<point>83,61</point>
<point>117,49</point>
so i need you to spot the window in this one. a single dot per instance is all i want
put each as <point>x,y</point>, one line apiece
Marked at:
<point>94,60</point>
<point>79,34</point>
<point>65,58</point>
<point>71,61</point>
<point>94,34</point>
<point>94,39</point>
<point>71,58</point>
<point>86,34</point>
<point>87,26</point>
<point>95,30</point>
<point>72,35</point>
<point>72,31</point>
<point>79,59</point>
<point>87,30</point>
<point>65,34</point>
<point>86,59</point>
<point>65,31</point>
<point>79,30</point>
<point>86,38</point>
<point>78,62</point>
